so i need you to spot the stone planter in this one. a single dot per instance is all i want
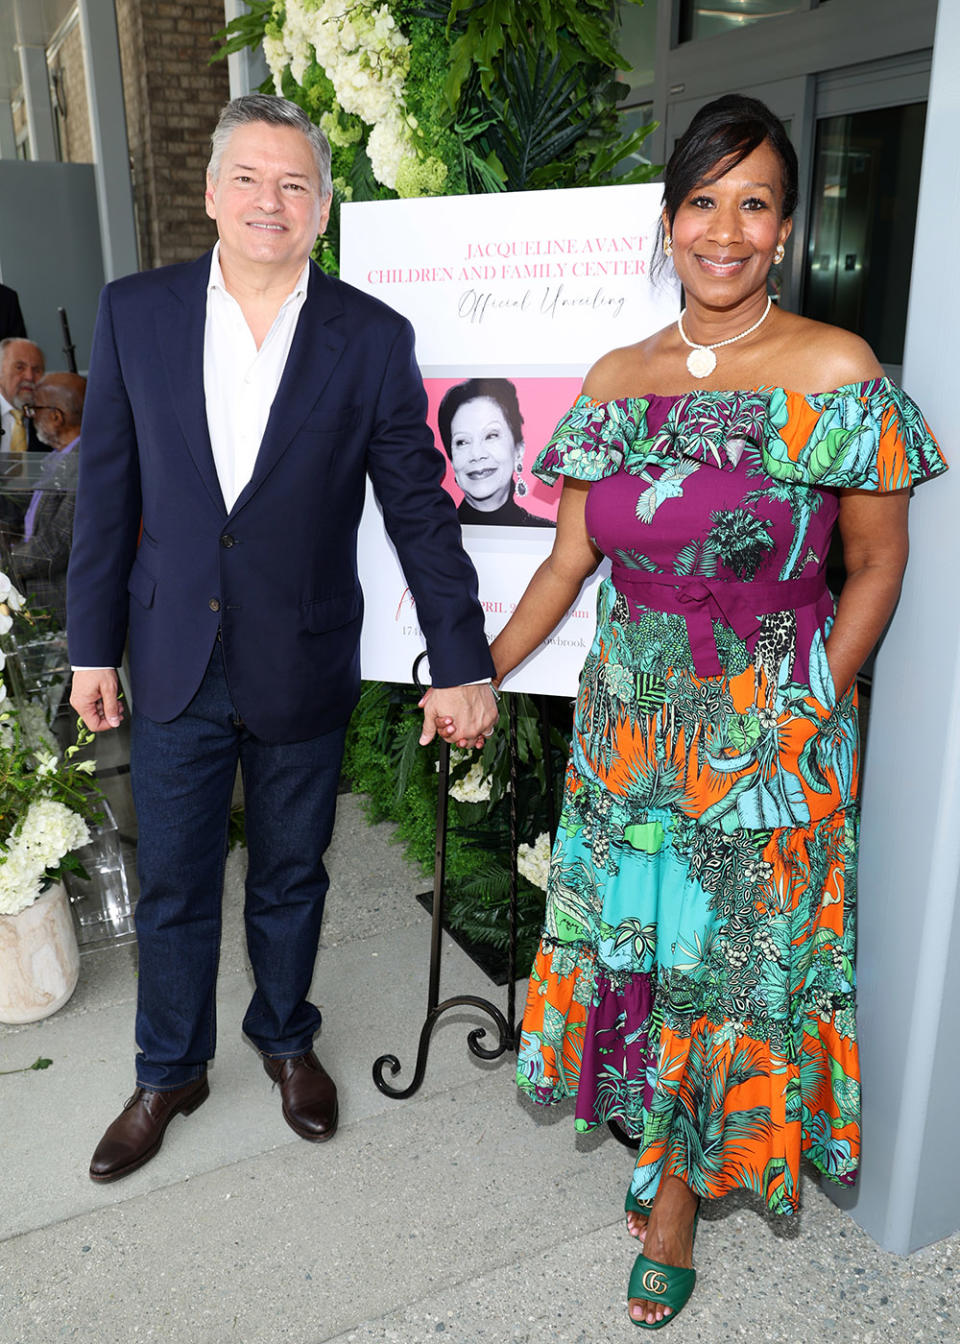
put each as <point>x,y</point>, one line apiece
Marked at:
<point>39,958</point>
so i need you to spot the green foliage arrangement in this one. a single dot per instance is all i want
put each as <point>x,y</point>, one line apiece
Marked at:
<point>384,762</point>
<point>449,97</point>
<point>45,796</point>
<point>446,97</point>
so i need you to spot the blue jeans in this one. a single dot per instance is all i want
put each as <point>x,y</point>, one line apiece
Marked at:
<point>183,775</point>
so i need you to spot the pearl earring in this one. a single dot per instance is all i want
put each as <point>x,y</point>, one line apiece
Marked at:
<point>778,255</point>
<point>667,245</point>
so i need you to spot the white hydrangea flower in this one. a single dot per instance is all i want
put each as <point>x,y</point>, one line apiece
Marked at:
<point>533,861</point>
<point>365,57</point>
<point>299,60</point>
<point>49,831</point>
<point>9,594</point>
<point>18,886</point>
<point>390,143</point>
<point>275,54</point>
<point>383,24</point>
<point>474,787</point>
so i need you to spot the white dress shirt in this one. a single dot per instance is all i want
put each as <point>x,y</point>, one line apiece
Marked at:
<point>240,381</point>
<point>7,423</point>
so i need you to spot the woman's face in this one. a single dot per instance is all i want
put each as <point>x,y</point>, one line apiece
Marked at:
<point>484,453</point>
<point>726,232</point>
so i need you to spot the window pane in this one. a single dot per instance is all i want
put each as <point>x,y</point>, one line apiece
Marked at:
<point>704,18</point>
<point>632,119</point>
<point>863,216</point>
<point>638,41</point>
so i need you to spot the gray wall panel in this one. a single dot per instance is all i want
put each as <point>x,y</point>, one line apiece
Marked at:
<point>50,250</point>
<point>909,1192</point>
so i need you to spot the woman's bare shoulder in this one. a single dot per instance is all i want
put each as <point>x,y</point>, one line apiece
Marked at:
<point>823,357</point>
<point>628,371</point>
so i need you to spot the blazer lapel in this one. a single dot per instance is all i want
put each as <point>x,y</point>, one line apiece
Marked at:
<point>315,352</point>
<point>179,326</point>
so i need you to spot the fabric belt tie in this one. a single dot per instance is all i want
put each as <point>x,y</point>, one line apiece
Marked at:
<point>701,601</point>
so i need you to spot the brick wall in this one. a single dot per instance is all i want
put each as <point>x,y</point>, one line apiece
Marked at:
<point>76,141</point>
<point>172,98</point>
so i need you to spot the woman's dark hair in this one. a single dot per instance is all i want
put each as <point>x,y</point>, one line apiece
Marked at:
<point>720,136</point>
<point>500,390</point>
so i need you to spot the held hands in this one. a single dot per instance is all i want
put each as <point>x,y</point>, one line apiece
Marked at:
<point>94,697</point>
<point>463,715</point>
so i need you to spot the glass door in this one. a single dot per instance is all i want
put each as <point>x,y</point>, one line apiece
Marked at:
<point>862,219</point>
<point>862,201</point>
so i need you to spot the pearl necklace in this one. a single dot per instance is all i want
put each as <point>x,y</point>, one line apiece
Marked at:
<point>701,360</point>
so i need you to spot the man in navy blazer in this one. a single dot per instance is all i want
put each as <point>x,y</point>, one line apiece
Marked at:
<point>235,407</point>
<point>11,318</point>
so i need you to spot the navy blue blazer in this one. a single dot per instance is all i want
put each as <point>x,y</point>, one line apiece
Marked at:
<point>278,573</point>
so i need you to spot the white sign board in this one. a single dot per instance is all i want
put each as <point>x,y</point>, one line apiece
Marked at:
<point>522,288</point>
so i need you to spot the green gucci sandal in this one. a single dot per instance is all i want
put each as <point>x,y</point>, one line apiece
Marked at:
<point>669,1284</point>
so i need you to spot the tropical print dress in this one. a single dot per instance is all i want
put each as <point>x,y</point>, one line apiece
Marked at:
<point>695,979</point>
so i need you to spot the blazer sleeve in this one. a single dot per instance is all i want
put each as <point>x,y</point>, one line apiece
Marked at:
<point>108,506</point>
<point>421,520</point>
<point>11,318</point>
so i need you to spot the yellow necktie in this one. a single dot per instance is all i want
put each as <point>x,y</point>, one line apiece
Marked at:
<point>18,436</point>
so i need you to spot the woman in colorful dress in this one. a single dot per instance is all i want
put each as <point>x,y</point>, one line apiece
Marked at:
<point>695,981</point>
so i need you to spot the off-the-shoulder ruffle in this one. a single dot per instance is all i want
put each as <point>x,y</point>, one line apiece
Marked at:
<point>592,439</point>
<point>867,436</point>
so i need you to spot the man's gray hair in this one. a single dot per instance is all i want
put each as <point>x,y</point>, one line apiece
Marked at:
<point>11,340</point>
<point>274,111</point>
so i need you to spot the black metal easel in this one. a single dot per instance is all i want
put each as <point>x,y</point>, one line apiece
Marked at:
<point>506,1026</point>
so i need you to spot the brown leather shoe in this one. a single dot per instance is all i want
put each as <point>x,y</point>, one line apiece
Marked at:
<point>137,1132</point>
<point>309,1095</point>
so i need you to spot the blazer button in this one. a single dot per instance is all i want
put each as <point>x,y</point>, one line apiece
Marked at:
<point>214,604</point>
<point>227,541</point>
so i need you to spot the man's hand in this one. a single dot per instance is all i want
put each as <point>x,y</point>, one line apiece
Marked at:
<point>464,715</point>
<point>94,697</point>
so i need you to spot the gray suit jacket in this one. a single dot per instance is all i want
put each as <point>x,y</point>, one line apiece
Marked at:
<point>40,564</point>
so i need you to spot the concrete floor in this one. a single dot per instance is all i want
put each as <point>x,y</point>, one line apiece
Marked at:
<point>460,1214</point>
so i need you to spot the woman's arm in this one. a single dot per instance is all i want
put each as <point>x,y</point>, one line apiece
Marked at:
<point>553,589</point>
<point>873,529</point>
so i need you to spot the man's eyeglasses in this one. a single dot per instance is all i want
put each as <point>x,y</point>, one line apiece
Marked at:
<point>32,410</point>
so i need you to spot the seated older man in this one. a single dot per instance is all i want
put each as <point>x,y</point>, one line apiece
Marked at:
<point>40,559</point>
<point>21,366</point>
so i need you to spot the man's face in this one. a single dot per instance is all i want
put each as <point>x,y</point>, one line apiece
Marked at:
<point>47,418</point>
<point>266,200</point>
<point>21,368</point>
